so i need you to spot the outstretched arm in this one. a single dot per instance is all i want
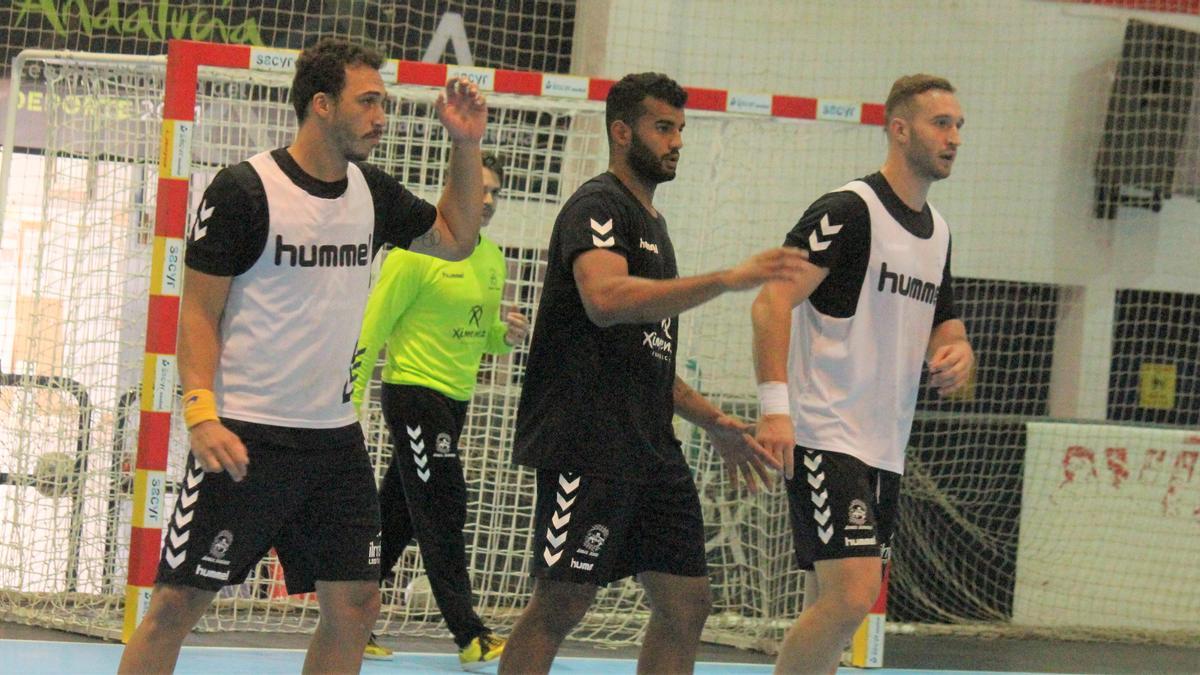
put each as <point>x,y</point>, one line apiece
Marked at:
<point>611,296</point>
<point>463,111</point>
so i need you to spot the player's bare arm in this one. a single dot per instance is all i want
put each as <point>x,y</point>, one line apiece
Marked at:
<point>771,317</point>
<point>950,357</point>
<point>732,438</point>
<point>611,296</point>
<point>462,110</point>
<point>201,305</point>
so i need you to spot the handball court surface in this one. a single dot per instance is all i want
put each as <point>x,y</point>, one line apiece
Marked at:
<point>25,649</point>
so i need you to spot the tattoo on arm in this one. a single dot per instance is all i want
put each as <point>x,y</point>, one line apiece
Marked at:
<point>431,239</point>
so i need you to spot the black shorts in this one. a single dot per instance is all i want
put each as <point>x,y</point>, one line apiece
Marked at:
<point>840,507</point>
<point>317,507</point>
<point>596,530</point>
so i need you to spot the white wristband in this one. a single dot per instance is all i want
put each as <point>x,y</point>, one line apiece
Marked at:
<point>773,399</point>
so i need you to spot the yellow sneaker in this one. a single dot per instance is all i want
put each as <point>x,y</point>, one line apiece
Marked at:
<point>481,652</point>
<point>375,651</point>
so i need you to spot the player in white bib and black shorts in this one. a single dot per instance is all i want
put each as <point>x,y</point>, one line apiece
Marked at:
<point>278,268</point>
<point>615,497</point>
<point>838,355</point>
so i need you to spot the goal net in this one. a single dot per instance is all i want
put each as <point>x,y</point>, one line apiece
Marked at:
<point>88,250</point>
<point>95,273</point>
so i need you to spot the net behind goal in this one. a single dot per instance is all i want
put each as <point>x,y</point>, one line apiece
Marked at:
<point>96,266</point>
<point>95,277</point>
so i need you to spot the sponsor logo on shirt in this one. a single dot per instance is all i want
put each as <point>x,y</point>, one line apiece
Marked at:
<point>659,341</point>
<point>474,317</point>
<point>322,255</point>
<point>467,333</point>
<point>897,283</point>
<point>653,248</point>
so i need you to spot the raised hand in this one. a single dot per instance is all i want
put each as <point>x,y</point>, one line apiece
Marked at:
<point>462,110</point>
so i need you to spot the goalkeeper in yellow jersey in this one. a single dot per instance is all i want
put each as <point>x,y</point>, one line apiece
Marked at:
<point>437,319</point>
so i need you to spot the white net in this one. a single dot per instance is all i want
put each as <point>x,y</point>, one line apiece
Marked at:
<point>1064,529</point>
<point>77,226</point>
<point>1071,206</point>
<point>717,212</point>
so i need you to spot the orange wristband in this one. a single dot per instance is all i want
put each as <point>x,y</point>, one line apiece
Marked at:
<point>199,405</point>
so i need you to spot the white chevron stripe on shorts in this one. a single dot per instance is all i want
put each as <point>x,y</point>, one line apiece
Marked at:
<point>820,494</point>
<point>556,534</point>
<point>177,530</point>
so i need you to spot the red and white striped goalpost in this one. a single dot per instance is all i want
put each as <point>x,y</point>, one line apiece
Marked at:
<point>184,58</point>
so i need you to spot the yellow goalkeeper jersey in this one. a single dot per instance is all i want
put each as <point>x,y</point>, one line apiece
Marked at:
<point>437,319</point>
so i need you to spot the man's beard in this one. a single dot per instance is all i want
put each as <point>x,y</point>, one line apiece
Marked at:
<point>351,145</point>
<point>353,151</point>
<point>924,164</point>
<point>646,164</point>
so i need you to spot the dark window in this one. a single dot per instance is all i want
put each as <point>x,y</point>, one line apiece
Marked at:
<point>1155,376</point>
<point>1011,326</point>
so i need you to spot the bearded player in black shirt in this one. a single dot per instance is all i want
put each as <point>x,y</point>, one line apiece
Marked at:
<point>615,497</point>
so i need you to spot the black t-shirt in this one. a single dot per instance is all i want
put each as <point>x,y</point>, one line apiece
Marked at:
<point>599,400</point>
<point>843,245</point>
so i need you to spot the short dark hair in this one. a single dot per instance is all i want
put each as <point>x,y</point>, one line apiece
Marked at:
<point>495,164</point>
<point>321,68</point>
<point>909,86</point>
<point>625,100</point>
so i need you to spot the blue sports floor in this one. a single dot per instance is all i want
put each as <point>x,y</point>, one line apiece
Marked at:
<point>37,657</point>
